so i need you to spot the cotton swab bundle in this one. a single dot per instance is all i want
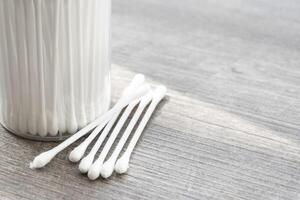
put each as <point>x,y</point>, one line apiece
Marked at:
<point>108,166</point>
<point>132,93</point>
<point>55,57</point>
<point>122,164</point>
<point>87,161</point>
<point>94,171</point>
<point>79,151</point>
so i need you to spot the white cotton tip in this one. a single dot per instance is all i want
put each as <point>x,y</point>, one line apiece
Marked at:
<point>122,165</point>
<point>62,125</point>
<point>82,120</point>
<point>53,129</point>
<point>137,81</point>
<point>94,171</point>
<point>160,93</point>
<point>72,126</point>
<point>139,92</point>
<point>147,88</point>
<point>41,160</point>
<point>32,127</point>
<point>42,126</point>
<point>77,153</point>
<point>107,169</point>
<point>147,98</point>
<point>85,164</point>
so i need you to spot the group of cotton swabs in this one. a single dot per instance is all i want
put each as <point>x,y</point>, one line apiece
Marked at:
<point>137,93</point>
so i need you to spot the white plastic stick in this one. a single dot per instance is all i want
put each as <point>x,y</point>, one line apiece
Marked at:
<point>12,58</point>
<point>72,125</point>
<point>32,63</point>
<point>90,94</point>
<point>82,117</point>
<point>53,127</point>
<point>42,121</point>
<point>108,166</point>
<point>44,158</point>
<point>123,162</point>
<point>79,151</point>
<point>23,69</point>
<point>94,170</point>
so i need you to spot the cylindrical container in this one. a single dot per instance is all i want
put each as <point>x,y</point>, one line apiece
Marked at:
<point>54,65</point>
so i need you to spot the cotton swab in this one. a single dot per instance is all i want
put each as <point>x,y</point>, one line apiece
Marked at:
<point>82,117</point>
<point>79,151</point>
<point>12,62</point>
<point>42,121</point>
<point>32,63</point>
<point>23,69</point>
<point>93,65</point>
<point>44,158</point>
<point>53,128</point>
<point>94,171</point>
<point>108,166</point>
<point>122,164</point>
<point>72,125</point>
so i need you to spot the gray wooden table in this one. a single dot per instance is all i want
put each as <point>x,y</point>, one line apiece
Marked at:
<point>230,126</point>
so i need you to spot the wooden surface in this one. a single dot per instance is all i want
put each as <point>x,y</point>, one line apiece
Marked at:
<point>230,127</point>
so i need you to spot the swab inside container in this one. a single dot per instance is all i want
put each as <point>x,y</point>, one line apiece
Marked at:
<point>55,63</point>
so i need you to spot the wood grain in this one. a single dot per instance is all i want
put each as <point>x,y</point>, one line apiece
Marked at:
<point>230,126</point>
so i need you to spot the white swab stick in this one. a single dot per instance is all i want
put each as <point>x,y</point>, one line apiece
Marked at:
<point>42,121</point>
<point>72,125</point>
<point>23,68</point>
<point>32,63</point>
<point>123,162</point>
<point>79,151</point>
<point>81,83</point>
<point>53,126</point>
<point>108,166</point>
<point>44,158</point>
<point>94,171</point>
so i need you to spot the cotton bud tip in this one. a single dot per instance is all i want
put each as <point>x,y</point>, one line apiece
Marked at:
<point>76,154</point>
<point>122,165</point>
<point>41,160</point>
<point>160,92</point>
<point>85,164</point>
<point>94,172</point>
<point>107,169</point>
